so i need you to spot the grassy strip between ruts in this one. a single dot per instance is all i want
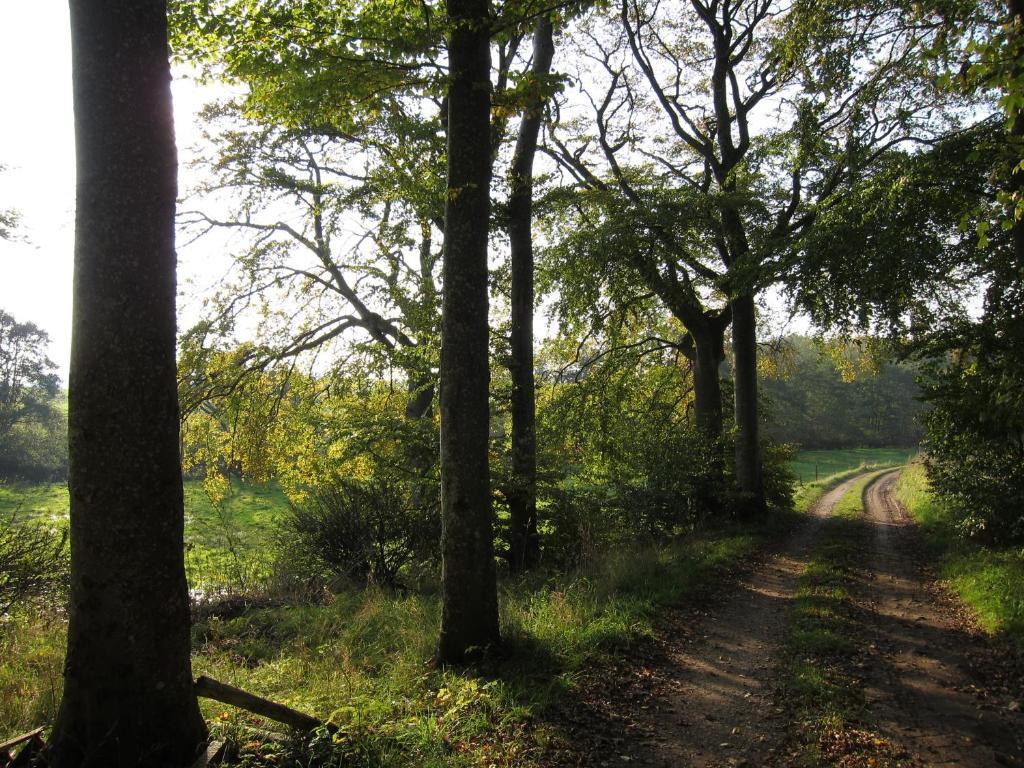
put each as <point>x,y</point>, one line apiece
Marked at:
<point>990,580</point>
<point>361,660</point>
<point>819,686</point>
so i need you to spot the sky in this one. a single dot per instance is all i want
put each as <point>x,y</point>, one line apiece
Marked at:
<point>37,148</point>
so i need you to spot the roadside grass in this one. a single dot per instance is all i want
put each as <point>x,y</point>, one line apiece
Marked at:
<point>362,661</point>
<point>826,700</point>
<point>989,579</point>
<point>809,466</point>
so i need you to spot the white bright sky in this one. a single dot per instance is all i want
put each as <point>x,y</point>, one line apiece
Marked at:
<point>37,148</point>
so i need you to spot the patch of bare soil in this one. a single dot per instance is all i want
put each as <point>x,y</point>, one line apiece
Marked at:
<point>933,683</point>
<point>701,693</point>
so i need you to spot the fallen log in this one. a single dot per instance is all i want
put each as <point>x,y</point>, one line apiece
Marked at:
<point>236,697</point>
<point>10,744</point>
<point>32,740</point>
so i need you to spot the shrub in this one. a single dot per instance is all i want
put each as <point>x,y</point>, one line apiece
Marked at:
<point>359,530</point>
<point>33,563</point>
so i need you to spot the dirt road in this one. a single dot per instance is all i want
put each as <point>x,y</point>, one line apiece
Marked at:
<point>706,693</point>
<point>934,685</point>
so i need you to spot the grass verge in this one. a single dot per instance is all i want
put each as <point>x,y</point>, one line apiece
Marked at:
<point>988,579</point>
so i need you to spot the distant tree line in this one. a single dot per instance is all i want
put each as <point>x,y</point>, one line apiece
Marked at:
<point>824,395</point>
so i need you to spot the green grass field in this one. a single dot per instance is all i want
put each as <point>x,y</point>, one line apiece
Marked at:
<point>809,466</point>
<point>225,545</point>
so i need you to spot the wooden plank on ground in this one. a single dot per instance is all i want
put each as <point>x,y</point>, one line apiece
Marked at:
<point>236,697</point>
<point>10,744</point>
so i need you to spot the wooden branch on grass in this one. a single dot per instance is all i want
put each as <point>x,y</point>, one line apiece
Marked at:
<point>236,697</point>
<point>33,741</point>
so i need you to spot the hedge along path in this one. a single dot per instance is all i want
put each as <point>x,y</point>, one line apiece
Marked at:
<point>711,699</point>
<point>934,683</point>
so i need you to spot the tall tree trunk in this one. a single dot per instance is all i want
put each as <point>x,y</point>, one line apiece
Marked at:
<point>420,456</point>
<point>128,698</point>
<point>469,600</point>
<point>1016,8</point>
<point>419,403</point>
<point>749,474</point>
<point>524,547</point>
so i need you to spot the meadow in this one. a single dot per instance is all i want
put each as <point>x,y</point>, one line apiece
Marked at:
<point>809,466</point>
<point>224,543</point>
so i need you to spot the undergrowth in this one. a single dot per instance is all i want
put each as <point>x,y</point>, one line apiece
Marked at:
<point>361,660</point>
<point>989,579</point>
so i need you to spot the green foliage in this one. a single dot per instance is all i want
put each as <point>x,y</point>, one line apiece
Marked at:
<point>360,530</point>
<point>898,249</point>
<point>975,428</point>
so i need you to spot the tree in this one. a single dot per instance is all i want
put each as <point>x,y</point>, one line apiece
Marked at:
<point>679,108</point>
<point>469,612</point>
<point>8,219</point>
<point>524,546</point>
<point>33,432</point>
<point>28,383</point>
<point>128,697</point>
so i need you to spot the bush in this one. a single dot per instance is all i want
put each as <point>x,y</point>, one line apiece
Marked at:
<point>33,563</point>
<point>359,530</point>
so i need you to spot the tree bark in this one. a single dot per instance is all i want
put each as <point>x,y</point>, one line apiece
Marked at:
<point>128,697</point>
<point>707,355</point>
<point>749,473</point>
<point>524,546</point>
<point>469,600</point>
<point>1016,8</point>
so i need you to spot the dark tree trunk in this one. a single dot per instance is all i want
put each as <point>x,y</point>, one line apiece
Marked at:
<point>707,389</point>
<point>707,355</point>
<point>420,456</point>
<point>1016,8</point>
<point>128,697</point>
<point>419,402</point>
<point>469,610</point>
<point>749,474</point>
<point>524,547</point>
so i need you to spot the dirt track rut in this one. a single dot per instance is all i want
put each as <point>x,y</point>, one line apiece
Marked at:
<point>929,685</point>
